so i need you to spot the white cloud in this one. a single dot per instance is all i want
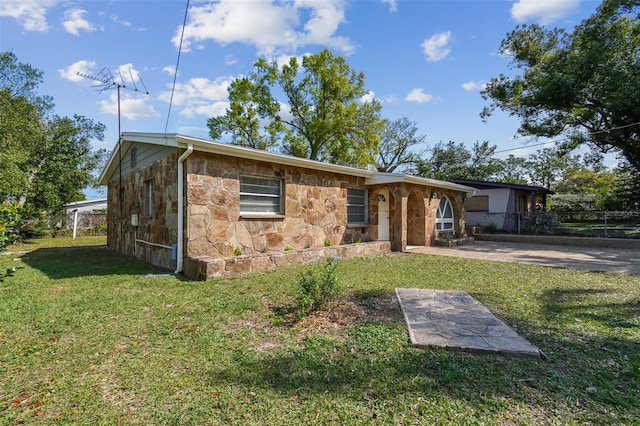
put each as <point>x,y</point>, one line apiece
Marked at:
<point>132,106</point>
<point>31,14</point>
<point>74,21</point>
<point>272,27</point>
<point>207,110</point>
<point>417,95</point>
<point>370,96</point>
<point>83,67</point>
<point>200,96</point>
<point>391,99</point>
<point>393,5</point>
<point>169,69</point>
<point>437,46</point>
<point>472,86</point>
<point>125,23</point>
<point>544,11</point>
<point>230,60</point>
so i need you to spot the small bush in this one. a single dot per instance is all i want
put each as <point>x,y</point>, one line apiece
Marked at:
<point>327,243</point>
<point>288,248</point>
<point>236,251</point>
<point>12,217</point>
<point>316,287</point>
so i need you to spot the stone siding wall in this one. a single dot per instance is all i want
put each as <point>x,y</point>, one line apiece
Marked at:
<point>315,208</point>
<point>205,267</point>
<point>155,230</point>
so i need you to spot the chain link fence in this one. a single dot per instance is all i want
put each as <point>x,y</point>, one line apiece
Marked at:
<point>607,224</point>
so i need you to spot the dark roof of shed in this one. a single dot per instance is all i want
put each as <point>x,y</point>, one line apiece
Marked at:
<point>483,184</point>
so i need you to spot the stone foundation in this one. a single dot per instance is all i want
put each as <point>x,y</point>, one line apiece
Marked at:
<point>206,267</point>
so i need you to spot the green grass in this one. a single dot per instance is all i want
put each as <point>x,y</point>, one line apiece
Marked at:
<point>85,338</point>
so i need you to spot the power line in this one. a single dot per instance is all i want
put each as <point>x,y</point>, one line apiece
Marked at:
<point>564,139</point>
<point>175,75</point>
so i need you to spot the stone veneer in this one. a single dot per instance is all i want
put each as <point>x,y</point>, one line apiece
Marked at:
<point>315,208</point>
<point>155,230</point>
<point>206,267</point>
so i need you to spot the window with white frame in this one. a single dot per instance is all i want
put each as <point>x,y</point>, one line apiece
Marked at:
<point>259,195</point>
<point>444,216</point>
<point>356,206</point>
<point>148,198</point>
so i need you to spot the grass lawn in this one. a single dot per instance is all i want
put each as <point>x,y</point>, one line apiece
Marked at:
<point>85,338</point>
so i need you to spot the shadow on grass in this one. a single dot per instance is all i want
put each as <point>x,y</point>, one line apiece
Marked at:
<point>592,305</point>
<point>72,262</point>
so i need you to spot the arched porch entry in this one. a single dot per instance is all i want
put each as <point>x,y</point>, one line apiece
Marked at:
<point>416,235</point>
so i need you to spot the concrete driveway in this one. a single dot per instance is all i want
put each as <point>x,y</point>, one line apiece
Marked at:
<point>584,258</point>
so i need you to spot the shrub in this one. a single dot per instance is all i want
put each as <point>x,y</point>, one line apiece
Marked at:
<point>12,216</point>
<point>316,287</point>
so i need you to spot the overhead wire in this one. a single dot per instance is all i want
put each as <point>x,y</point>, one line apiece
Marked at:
<point>555,141</point>
<point>175,74</point>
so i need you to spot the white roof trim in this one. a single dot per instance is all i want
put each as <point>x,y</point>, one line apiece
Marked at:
<point>383,178</point>
<point>203,145</point>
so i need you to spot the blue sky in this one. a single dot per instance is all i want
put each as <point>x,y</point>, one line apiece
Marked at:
<point>424,60</point>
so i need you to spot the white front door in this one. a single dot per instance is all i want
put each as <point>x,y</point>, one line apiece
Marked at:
<point>383,215</point>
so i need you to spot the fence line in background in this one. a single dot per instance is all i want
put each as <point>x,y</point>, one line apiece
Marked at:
<point>609,224</point>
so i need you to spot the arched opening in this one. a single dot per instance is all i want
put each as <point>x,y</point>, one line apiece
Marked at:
<point>444,216</point>
<point>415,220</point>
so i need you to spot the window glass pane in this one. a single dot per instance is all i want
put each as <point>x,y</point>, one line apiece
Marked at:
<point>444,216</point>
<point>260,195</point>
<point>356,205</point>
<point>448,211</point>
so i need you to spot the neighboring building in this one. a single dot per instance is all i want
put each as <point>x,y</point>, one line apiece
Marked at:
<point>99,204</point>
<point>190,205</point>
<point>502,204</point>
<point>85,214</point>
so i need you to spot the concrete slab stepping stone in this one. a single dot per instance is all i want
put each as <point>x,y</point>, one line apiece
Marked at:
<point>456,321</point>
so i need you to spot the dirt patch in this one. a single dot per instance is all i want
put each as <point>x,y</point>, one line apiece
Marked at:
<point>351,310</point>
<point>332,321</point>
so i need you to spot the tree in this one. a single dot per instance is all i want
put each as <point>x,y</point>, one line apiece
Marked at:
<point>483,165</point>
<point>549,165</point>
<point>397,139</point>
<point>447,162</point>
<point>626,194</point>
<point>514,170</point>
<point>455,161</point>
<point>583,188</point>
<point>45,160</point>
<point>321,115</point>
<point>583,85</point>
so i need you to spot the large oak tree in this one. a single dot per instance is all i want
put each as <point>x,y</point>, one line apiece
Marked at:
<point>583,86</point>
<point>314,110</point>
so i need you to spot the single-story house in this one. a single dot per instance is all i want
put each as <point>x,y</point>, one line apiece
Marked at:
<point>208,209</point>
<point>502,205</point>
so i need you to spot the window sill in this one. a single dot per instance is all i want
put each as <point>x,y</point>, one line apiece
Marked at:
<point>358,225</point>
<point>257,216</point>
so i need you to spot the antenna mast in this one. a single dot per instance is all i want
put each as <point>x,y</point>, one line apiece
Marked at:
<point>105,81</point>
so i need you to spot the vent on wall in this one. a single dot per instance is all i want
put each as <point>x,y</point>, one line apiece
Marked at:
<point>134,156</point>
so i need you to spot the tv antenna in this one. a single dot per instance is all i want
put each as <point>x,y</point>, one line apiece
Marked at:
<point>105,81</point>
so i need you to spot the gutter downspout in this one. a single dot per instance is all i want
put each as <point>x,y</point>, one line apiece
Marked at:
<point>180,248</point>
